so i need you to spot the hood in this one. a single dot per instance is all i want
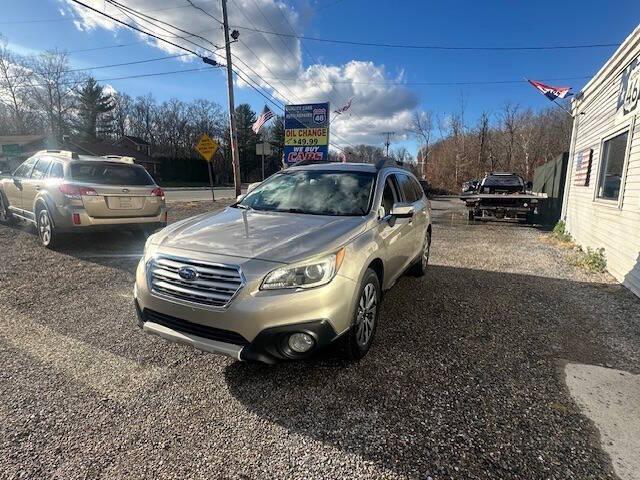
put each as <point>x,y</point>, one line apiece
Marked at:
<point>271,236</point>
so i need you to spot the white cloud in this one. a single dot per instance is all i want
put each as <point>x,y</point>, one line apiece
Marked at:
<point>377,106</point>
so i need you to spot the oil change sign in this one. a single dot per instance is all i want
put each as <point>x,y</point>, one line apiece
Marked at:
<point>306,132</point>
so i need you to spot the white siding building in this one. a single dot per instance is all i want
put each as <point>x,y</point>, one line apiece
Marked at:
<point>601,205</point>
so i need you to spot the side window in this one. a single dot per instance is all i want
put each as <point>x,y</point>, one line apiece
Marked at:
<point>57,171</point>
<point>389,196</point>
<point>24,170</point>
<point>417,188</point>
<point>40,170</point>
<point>613,153</point>
<point>407,188</point>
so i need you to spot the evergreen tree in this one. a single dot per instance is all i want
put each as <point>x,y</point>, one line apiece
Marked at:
<point>94,107</point>
<point>247,139</point>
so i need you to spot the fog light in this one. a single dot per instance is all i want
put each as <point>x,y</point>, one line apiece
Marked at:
<point>301,342</point>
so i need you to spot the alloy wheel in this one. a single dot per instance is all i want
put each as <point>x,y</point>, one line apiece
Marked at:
<point>365,321</point>
<point>3,212</point>
<point>44,227</point>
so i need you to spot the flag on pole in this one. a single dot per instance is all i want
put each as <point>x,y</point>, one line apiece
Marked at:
<point>344,108</point>
<point>549,91</point>
<point>264,117</point>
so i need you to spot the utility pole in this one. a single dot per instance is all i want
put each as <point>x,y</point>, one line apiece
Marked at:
<point>235,160</point>
<point>387,144</point>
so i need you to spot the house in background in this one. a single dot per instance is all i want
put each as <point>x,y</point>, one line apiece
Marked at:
<point>601,204</point>
<point>17,148</point>
<point>137,143</point>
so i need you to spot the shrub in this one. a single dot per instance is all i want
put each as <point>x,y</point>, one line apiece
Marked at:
<point>594,260</point>
<point>560,232</point>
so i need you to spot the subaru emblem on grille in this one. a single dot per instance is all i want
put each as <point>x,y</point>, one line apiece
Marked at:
<point>188,273</point>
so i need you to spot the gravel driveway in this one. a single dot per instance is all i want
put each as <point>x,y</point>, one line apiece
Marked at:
<point>464,380</point>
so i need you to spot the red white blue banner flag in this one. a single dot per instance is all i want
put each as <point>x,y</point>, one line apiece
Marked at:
<point>551,92</point>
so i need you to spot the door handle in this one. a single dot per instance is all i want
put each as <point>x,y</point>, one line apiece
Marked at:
<point>37,187</point>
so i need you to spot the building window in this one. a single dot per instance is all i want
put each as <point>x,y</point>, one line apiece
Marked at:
<point>611,169</point>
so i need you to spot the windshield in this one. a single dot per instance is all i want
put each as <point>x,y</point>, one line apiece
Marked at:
<point>314,192</point>
<point>503,181</point>
<point>109,173</point>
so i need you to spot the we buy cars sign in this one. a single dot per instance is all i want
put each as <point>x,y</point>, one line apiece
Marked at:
<point>306,132</point>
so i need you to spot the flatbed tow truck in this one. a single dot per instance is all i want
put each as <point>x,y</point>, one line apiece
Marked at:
<point>503,195</point>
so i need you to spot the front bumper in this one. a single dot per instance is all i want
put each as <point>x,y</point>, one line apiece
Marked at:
<point>269,346</point>
<point>255,325</point>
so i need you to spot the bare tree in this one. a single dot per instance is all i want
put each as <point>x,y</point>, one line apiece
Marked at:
<point>14,85</point>
<point>54,89</point>
<point>422,128</point>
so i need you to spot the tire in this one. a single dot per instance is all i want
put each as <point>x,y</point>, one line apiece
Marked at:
<point>359,338</point>
<point>45,228</point>
<point>420,267</point>
<point>471,216</point>
<point>6,218</point>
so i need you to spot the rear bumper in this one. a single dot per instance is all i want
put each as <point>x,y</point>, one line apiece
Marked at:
<point>63,220</point>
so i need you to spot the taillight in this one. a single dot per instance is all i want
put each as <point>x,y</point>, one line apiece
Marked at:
<point>158,192</point>
<point>76,191</point>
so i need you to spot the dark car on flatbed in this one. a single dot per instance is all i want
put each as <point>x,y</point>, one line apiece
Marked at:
<point>502,195</point>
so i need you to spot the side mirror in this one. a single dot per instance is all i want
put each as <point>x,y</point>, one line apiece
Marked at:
<point>402,210</point>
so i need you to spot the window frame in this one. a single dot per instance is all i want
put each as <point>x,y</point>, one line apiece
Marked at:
<point>25,177</point>
<point>629,127</point>
<point>54,163</point>
<point>45,173</point>
<point>396,191</point>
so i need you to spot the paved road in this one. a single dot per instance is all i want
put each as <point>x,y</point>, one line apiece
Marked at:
<point>462,381</point>
<point>184,195</point>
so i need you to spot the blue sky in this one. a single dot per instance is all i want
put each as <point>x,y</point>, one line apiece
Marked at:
<point>375,108</point>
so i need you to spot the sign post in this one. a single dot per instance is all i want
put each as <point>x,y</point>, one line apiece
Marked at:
<point>263,149</point>
<point>207,148</point>
<point>306,133</point>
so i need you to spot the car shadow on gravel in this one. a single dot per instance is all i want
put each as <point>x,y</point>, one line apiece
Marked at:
<point>465,386</point>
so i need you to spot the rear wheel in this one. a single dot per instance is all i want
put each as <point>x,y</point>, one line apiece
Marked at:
<point>471,216</point>
<point>5,215</point>
<point>46,229</point>
<point>360,336</point>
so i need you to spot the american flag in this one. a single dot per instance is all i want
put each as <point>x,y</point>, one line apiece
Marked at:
<point>264,117</point>
<point>582,171</point>
<point>551,92</point>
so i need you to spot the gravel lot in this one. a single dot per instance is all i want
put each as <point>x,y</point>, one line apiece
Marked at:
<point>464,380</point>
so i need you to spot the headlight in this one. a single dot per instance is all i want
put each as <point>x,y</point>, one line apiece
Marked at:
<point>305,275</point>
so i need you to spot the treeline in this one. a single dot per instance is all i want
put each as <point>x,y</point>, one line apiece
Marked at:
<point>512,139</point>
<point>43,94</point>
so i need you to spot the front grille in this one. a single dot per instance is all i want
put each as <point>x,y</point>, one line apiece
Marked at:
<point>184,326</point>
<point>214,285</point>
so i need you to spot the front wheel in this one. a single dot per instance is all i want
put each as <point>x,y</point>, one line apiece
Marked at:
<point>420,267</point>
<point>363,328</point>
<point>46,229</point>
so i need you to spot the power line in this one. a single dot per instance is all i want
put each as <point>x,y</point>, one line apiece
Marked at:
<point>136,28</point>
<point>429,47</point>
<point>129,63</point>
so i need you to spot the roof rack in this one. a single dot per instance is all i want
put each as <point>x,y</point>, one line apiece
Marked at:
<point>120,158</point>
<point>62,153</point>
<point>386,162</point>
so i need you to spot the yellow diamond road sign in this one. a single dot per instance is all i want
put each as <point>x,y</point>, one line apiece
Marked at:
<point>207,147</point>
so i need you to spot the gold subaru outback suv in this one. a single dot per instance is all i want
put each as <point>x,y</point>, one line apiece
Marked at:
<point>61,192</point>
<point>299,262</point>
